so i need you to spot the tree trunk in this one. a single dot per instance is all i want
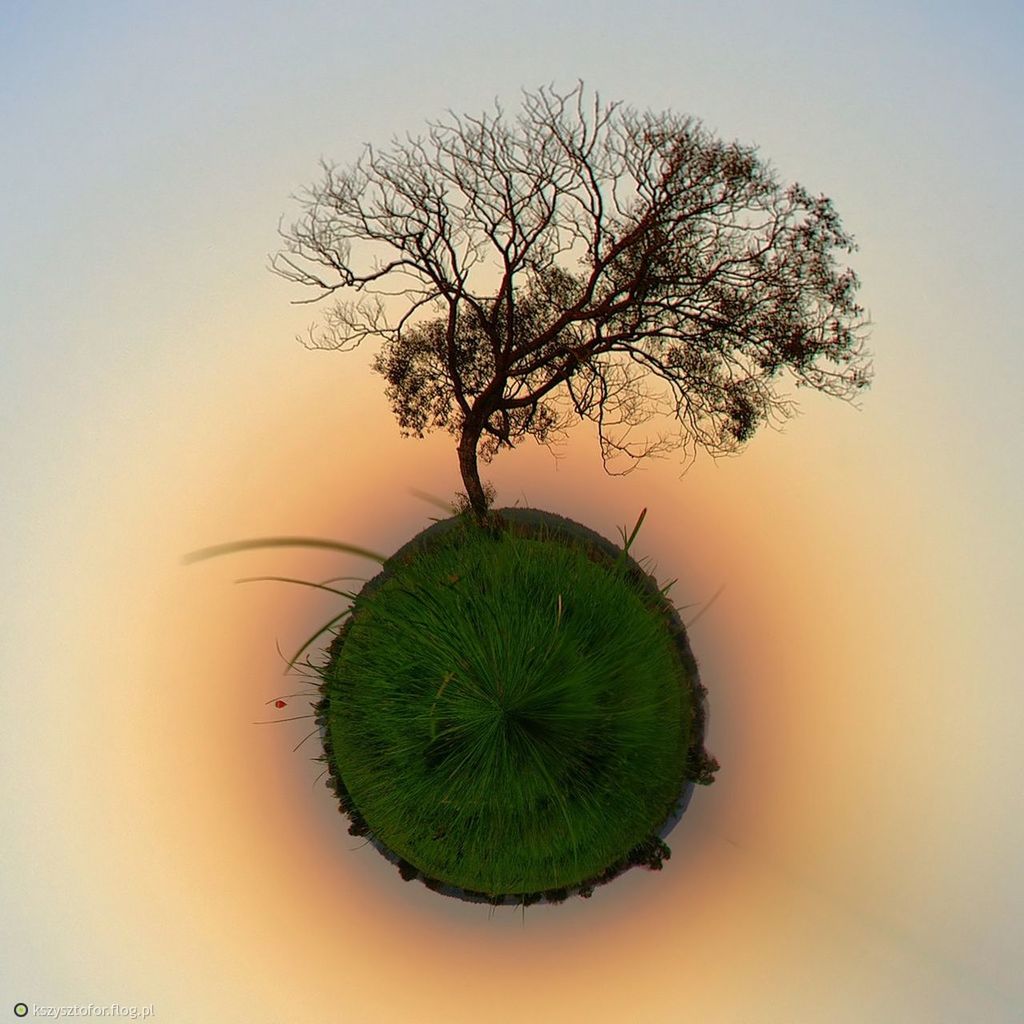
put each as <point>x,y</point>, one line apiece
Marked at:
<point>470,473</point>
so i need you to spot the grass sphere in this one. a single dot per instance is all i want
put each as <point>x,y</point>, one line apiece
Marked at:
<point>508,710</point>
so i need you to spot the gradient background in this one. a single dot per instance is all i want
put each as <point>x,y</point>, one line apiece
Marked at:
<point>858,858</point>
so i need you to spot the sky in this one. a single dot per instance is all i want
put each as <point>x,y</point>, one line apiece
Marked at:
<point>858,855</point>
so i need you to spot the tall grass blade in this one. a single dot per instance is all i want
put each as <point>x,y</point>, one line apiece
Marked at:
<point>304,583</point>
<point>323,629</point>
<point>627,542</point>
<point>707,605</point>
<point>636,530</point>
<point>432,499</point>
<point>216,550</point>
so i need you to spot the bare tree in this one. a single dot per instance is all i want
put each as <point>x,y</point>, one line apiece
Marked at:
<point>580,259</point>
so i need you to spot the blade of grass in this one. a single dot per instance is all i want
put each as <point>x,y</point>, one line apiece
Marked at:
<point>708,604</point>
<point>323,629</point>
<point>432,499</point>
<point>304,583</point>
<point>216,550</point>
<point>304,738</point>
<point>636,530</point>
<point>627,542</point>
<point>433,724</point>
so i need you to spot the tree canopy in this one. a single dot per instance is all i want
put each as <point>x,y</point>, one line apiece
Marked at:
<point>579,259</point>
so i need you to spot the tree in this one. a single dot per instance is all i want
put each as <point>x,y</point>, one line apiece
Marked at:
<point>579,260</point>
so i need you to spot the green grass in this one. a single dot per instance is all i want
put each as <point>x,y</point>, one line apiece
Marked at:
<point>508,713</point>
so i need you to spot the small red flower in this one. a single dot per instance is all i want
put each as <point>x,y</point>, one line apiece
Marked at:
<point>280,703</point>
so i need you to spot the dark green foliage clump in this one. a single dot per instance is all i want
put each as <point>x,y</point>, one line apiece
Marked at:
<point>509,715</point>
<point>650,854</point>
<point>701,767</point>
